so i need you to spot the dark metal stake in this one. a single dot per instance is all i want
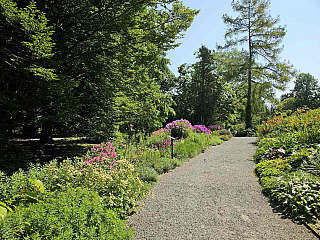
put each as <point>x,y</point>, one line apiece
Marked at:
<point>172,139</point>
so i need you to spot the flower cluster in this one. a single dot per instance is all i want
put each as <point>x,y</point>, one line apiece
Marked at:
<point>102,153</point>
<point>164,145</point>
<point>179,128</point>
<point>201,129</point>
<point>161,130</point>
<point>215,127</point>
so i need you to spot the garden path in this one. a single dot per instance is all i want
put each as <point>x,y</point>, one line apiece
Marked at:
<point>214,196</point>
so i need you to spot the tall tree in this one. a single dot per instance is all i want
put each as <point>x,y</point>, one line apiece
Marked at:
<point>259,31</point>
<point>108,58</point>
<point>204,97</point>
<point>25,49</point>
<point>306,91</point>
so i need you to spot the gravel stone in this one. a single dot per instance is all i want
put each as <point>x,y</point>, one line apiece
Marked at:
<point>214,196</point>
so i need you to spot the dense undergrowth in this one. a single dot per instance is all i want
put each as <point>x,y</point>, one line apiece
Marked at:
<point>288,157</point>
<point>88,197</point>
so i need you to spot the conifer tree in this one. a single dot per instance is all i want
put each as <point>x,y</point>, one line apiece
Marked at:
<point>255,28</point>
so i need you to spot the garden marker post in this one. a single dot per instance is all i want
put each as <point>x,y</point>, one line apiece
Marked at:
<point>172,141</point>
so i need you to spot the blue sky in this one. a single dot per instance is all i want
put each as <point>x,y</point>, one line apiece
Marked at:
<point>301,43</point>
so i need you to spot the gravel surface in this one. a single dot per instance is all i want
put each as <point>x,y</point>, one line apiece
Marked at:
<point>214,196</point>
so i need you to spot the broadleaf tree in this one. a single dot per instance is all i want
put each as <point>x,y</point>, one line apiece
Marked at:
<point>255,28</point>
<point>104,55</point>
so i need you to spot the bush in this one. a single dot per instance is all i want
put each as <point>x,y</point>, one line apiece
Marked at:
<point>289,166</point>
<point>201,129</point>
<point>147,174</point>
<point>239,130</point>
<point>188,149</point>
<point>179,128</point>
<point>224,132</point>
<point>225,137</point>
<point>120,189</point>
<point>74,214</point>
<point>272,168</point>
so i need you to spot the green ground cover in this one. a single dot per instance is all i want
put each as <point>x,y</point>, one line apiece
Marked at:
<point>288,157</point>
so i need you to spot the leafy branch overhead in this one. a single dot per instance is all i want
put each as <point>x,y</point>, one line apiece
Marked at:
<point>68,65</point>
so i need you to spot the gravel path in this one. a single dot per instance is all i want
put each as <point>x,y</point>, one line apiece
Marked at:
<point>214,196</point>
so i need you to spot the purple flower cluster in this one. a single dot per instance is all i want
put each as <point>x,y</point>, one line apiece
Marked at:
<point>178,128</point>
<point>201,129</point>
<point>102,153</point>
<point>215,127</point>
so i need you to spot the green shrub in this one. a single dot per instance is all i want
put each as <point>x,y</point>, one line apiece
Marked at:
<point>205,140</point>
<point>239,130</point>
<point>225,137</point>
<point>74,214</point>
<point>188,149</point>
<point>272,168</point>
<point>147,174</point>
<point>224,132</point>
<point>167,164</point>
<point>120,189</point>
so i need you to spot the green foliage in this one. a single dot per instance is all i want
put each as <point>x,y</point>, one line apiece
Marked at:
<point>203,95</point>
<point>167,164</point>
<point>74,214</point>
<point>120,190</point>
<point>147,174</point>
<point>272,168</point>
<point>306,91</point>
<point>4,208</point>
<point>292,178</point>
<point>26,44</point>
<point>257,29</point>
<point>101,69</point>
<point>298,194</point>
<point>188,149</point>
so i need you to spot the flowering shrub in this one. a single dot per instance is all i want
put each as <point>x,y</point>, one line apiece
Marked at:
<point>179,128</point>
<point>161,130</point>
<point>164,145</point>
<point>102,153</point>
<point>201,129</point>
<point>289,166</point>
<point>156,137</point>
<point>215,127</point>
<point>304,123</point>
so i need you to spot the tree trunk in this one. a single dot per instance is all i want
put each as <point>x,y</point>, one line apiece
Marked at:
<point>46,132</point>
<point>249,108</point>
